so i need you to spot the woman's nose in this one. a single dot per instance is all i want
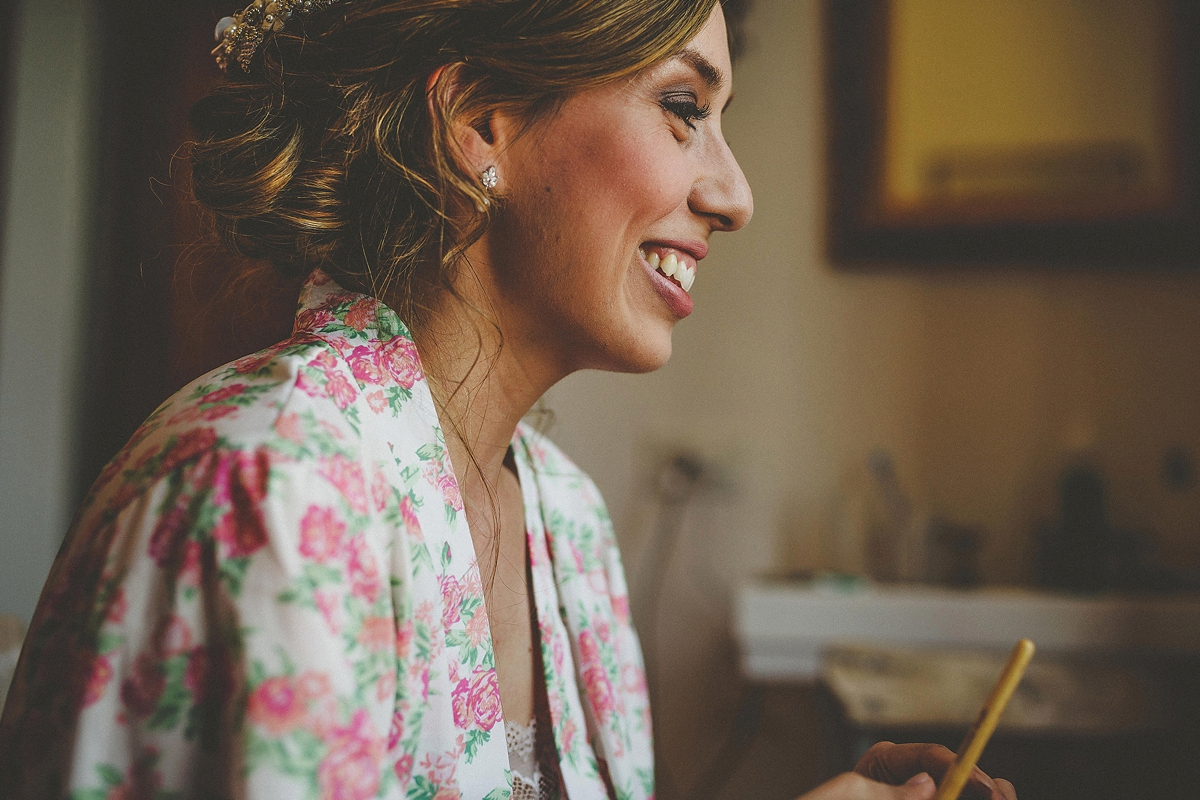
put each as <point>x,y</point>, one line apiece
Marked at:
<point>722,194</point>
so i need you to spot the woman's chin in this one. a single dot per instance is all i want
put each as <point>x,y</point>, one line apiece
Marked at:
<point>648,355</point>
<point>633,345</point>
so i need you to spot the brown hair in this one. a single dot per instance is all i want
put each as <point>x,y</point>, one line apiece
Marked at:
<point>325,153</point>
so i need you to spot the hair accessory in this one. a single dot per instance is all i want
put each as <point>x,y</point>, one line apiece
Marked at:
<point>239,36</point>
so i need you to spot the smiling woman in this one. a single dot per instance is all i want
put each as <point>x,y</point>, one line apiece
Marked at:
<point>342,567</point>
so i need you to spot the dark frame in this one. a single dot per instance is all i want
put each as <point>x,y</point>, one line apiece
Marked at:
<point>858,237</point>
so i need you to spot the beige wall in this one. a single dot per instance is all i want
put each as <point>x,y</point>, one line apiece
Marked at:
<point>983,384</point>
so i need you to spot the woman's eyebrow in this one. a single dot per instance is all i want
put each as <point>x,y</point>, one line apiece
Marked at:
<point>708,71</point>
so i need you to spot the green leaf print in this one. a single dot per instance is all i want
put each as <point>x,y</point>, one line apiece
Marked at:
<point>107,642</point>
<point>367,673</point>
<point>110,777</point>
<point>421,558</point>
<point>413,737</point>
<point>233,572</point>
<point>90,794</point>
<point>352,416</point>
<point>297,754</point>
<point>113,780</point>
<point>646,776</point>
<point>321,437</point>
<point>422,789</point>
<point>289,596</point>
<point>475,739</point>
<point>109,774</point>
<point>422,642</point>
<point>247,396</point>
<point>205,513</point>
<point>397,396</point>
<point>345,330</point>
<point>311,578</point>
<point>500,794</point>
<point>389,324</point>
<point>429,452</point>
<point>175,697</point>
<point>295,451</point>
<point>470,604</point>
<point>446,555</point>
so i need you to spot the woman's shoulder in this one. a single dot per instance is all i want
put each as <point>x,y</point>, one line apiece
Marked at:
<point>282,407</point>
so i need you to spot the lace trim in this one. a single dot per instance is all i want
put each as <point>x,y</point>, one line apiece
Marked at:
<point>528,781</point>
<point>521,740</point>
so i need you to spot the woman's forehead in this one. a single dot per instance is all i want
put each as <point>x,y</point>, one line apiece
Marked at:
<point>708,52</point>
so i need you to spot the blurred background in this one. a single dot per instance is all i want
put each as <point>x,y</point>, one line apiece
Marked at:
<point>943,392</point>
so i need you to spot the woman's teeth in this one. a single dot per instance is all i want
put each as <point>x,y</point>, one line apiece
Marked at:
<point>672,267</point>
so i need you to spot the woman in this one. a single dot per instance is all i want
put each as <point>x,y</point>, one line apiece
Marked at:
<point>343,567</point>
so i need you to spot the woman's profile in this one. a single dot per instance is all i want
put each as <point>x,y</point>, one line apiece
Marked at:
<point>343,567</point>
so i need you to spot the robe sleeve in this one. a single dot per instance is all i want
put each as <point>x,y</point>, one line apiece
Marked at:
<point>219,624</point>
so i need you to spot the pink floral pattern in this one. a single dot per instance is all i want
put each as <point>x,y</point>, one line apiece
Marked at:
<point>272,592</point>
<point>350,768</point>
<point>476,701</point>
<point>347,478</point>
<point>278,705</point>
<point>595,678</point>
<point>321,534</point>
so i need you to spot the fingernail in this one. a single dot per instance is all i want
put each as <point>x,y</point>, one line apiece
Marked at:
<point>919,780</point>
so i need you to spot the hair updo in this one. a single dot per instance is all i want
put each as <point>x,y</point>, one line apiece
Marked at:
<point>325,153</point>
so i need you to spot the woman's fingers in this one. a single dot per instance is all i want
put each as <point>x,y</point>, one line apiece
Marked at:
<point>852,786</point>
<point>896,763</point>
<point>1006,789</point>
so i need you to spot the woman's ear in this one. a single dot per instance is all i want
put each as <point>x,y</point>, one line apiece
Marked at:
<point>475,142</point>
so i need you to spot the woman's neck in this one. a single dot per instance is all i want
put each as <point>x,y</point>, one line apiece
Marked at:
<point>484,379</point>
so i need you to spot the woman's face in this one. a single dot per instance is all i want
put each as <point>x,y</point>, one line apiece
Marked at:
<point>625,182</point>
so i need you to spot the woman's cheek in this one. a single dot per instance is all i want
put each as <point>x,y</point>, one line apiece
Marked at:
<point>670,191</point>
<point>655,171</point>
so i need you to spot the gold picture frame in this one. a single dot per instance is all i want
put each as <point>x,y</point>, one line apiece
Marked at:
<point>1013,131</point>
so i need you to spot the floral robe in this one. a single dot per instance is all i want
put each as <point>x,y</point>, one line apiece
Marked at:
<point>271,593</point>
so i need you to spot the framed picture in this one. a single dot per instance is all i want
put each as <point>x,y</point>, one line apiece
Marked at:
<point>1013,131</point>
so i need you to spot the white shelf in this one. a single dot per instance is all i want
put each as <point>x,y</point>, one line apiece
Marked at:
<point>782,628</point>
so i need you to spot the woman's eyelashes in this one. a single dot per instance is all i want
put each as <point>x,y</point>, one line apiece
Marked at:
<point>686,107</point>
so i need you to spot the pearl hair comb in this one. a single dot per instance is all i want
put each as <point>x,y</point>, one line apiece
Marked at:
<point>239,36</point>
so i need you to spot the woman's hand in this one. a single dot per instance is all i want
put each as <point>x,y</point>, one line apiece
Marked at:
<point>896,763</point>
<point>902,772</point>
<point>852,786</point>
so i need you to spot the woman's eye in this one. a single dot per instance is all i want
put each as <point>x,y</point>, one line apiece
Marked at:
<point>686,108</point>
